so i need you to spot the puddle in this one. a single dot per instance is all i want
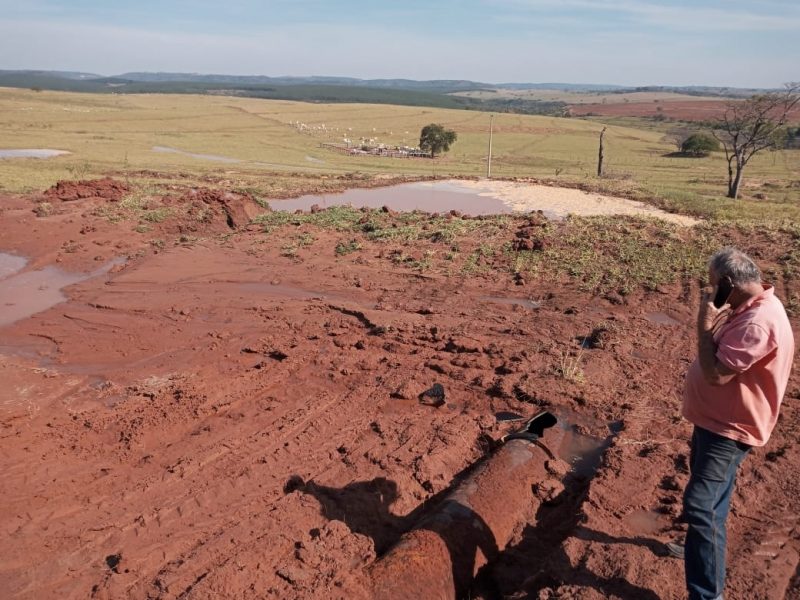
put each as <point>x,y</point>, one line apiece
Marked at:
<point>318,161</point>
<point>643,522</point>
<point>531,304</point>
<point>662,319</point>
<point>10,264</point>
<point>30,292</point>
<point>212,157</point>
<point>583,452</point>
<point>438,197</point>
<point>477,198</point>
<point>30,153</point>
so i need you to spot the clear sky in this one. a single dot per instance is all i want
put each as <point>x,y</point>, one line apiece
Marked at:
<point>754,43</point>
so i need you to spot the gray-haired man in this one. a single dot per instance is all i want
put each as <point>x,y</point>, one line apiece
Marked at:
<point>733,394</point>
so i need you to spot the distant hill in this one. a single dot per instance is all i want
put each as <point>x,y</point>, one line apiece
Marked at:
<point>566,87</point>
<point>60,74</point>
<point>407,92</point>
<point>439,86</point>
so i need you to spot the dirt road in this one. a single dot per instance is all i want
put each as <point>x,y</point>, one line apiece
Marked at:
<point>218,417</point>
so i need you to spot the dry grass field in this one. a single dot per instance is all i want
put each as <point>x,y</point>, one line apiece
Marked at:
<point>266,150</point>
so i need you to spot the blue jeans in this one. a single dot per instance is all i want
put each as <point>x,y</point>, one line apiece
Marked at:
<point>713,462</point>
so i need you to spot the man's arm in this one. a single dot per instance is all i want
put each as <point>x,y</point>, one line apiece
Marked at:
<point>714,372</point>
<point>709,319</point>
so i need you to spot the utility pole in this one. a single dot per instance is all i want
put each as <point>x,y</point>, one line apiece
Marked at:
<point>489,160</point>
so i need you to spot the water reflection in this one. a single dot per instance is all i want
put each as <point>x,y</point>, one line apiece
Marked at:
<point>438,197</point>
<point>30,292</point>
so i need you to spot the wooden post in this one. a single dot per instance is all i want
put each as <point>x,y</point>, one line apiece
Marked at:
<point>600,155</point>
<point>489,159</point>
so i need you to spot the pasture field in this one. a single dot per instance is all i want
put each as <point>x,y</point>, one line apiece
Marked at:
<point>118,133</point>
<point>199,414</point>
<point>569,97</point>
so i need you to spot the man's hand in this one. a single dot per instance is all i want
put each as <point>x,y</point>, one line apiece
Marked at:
<point>709,317</point>
<point>709,320</point>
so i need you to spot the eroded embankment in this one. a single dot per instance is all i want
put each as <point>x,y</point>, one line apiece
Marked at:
<point>156,425</point>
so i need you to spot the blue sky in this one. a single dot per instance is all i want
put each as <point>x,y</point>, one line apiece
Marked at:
<point>628,42</point>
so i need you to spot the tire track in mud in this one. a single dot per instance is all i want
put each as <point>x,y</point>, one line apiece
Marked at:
<point>177,473</point>
<point>305,418</point>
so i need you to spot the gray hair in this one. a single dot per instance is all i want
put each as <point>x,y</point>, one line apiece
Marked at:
<point>732,262</point>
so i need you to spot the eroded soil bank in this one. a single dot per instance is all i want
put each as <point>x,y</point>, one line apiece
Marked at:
<point>234,413</point>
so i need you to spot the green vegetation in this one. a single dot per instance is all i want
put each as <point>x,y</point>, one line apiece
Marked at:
<point>434,138</point>
<point>699,144</point>
<point>346,247</point>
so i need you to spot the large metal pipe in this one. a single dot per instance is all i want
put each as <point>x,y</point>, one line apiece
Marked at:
<point>439,558</point>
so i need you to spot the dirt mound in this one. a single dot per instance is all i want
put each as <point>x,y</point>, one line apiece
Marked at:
<point>239,209</point>
<point>106,188</point>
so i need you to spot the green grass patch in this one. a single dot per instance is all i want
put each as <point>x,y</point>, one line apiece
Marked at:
<point>347,247</point>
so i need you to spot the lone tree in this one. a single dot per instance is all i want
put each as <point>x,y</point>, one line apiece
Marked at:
<point>752,125</point>
<point>435,138</point>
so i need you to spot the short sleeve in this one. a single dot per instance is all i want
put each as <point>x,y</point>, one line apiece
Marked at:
<point>740,347</point>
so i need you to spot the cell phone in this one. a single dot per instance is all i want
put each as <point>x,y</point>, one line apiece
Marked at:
<point>724,291</point>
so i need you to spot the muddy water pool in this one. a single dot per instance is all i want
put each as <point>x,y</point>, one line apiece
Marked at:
<point>10,264</point>
<point>26,293</point>
<point>486,197</point>
<point>438,197</point>
<point>581,450</point>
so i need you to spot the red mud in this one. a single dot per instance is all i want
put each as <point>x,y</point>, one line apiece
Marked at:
<point>106,188</point>
<point>152,425</point>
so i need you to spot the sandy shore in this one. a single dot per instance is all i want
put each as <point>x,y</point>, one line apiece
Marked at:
<point>560,202</point>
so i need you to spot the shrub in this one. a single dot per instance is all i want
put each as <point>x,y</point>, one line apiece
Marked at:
<point>699,144</point>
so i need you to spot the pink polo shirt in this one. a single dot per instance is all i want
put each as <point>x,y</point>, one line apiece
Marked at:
<point>758,344</point>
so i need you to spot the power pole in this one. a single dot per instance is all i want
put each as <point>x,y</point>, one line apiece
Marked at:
<point>489,160</point>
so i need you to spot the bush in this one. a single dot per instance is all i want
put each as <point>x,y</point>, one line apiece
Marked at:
<point>699,144</point>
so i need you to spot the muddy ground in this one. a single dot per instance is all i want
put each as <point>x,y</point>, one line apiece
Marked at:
<point>218,417</point>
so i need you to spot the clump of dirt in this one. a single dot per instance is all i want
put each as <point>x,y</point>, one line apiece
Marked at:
<point>239,209</point>
<point>106,188</point>
<point>529,234</point>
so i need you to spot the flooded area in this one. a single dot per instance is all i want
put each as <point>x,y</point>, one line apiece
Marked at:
<point>30,292</point>
<point>10,264</point>
<point>211,157</point>
<point>439,197</point>
<point>477,198</point>
<point>30,153</point>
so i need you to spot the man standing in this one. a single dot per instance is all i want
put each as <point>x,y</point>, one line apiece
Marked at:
<point>733,393</point>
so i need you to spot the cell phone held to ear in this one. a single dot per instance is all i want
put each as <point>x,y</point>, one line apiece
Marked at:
<point>724,291</point>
